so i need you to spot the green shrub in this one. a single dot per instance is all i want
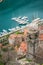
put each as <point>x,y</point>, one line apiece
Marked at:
<point>4,49</point>
<point>0,55</point>
<point>1,63</point>
<point>17,32</point>
<point>28,60</point>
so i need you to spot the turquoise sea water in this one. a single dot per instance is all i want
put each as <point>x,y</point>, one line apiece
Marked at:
<point>15,8</point>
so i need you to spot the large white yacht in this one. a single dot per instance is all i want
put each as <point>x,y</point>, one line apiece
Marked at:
<point>21,20</point>
<point>12,29</point>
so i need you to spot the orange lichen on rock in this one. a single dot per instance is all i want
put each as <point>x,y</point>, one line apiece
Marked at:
<point>0,44</point>
<point>25,31</point>
<point>40,27</point>
<point>41,36</point>
<point>23,47</point>
<point>16,48</point>
<point>12,36</point>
